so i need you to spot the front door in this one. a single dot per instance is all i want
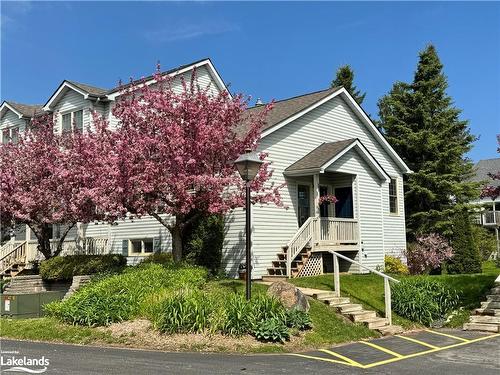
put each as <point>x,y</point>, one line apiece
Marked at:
<point>303,204</point>
<point>343,207</point>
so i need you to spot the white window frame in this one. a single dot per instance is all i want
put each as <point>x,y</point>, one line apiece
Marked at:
<point>9,132</point>
<point>71,114</point>
<point>143,247</point>
<point>396,187</point>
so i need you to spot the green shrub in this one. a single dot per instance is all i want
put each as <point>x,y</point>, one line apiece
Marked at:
<point>422,300</point>
<point>466,258</point>
<point>395,265</point>
<point>273,329</point>
<point>484,241</point>
<point>159,258</point>
<point>65,267</point>
<point>204,242</point>
<point>121,297</point>
<point>239,317</point>
<point>298,319</point>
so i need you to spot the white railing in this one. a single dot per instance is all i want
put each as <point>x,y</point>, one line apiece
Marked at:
<point>88,246</point>
<point>337,231</point>
<point>322,231</point>
<point>387,279</point>
<point>303,236</point>
<point>491,218</point>
<point>13,254</point>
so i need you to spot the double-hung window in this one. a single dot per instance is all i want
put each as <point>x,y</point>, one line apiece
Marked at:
<point>72,121</point>
<point>393,196</point>
<point>78,121</point>
<point>10,135</point>
<point>66,122</point>
<point>5,136</point>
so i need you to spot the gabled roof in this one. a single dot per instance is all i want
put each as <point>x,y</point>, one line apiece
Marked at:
<point>483,167</point>
<point>21,110</point>
<point>284,109</point>
<point>93,92</point>
<point>323,156</point>
<point>288,110</point>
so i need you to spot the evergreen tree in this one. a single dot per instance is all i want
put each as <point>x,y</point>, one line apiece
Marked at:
<point>421,123</point>
<point>466,258</point>
<point>345,77</point>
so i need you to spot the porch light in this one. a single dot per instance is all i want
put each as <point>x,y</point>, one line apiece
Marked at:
<point>248,166</point>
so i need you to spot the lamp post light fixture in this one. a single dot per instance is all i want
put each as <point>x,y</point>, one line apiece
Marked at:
<point>248,166</point>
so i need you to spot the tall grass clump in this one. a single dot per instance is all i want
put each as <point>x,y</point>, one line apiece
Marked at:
<point>120,297</point>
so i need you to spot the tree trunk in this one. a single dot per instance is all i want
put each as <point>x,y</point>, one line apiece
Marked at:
<point>42,233</point>
<point>61,240</point>
<point>177,243</point>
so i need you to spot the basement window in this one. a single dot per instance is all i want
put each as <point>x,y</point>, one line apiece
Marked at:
<point>141,246</point>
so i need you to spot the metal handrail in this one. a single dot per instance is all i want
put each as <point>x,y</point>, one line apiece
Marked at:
<point>387,278</point>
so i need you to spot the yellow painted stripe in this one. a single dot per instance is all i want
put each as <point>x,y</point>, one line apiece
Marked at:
<point>429,351</point>
<point>321,359</point>
<point>447,335</point>
<point>418,342</point>
<point>348,360</point>
<point>381,348</point>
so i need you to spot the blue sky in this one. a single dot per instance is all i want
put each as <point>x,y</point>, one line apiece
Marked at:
<point>267,50</point>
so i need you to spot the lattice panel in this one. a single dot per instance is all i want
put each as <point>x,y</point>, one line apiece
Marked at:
<point>313,266</point>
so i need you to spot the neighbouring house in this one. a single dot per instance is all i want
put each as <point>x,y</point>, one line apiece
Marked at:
<point>490,208</point>
<point>320,143</point>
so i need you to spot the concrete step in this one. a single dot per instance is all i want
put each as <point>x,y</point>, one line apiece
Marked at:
<point>492,312</point>
<point>362,315</point>
<point>376,323</point>
<point>324,295</point>
<point>485,319</point>
<point>390,330</point>
<point>495,290</point>
<point>482,327</point>
<point>493,297</point>
<point>350,307</point>
<point>490,305</point>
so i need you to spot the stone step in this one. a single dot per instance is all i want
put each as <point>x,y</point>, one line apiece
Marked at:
<point>350,307</point>
<point>490,305</point>
<point>495,290</point>
<point>482,311</point>
<point>324,295</point>
<point>482,327</point>
<point>493,297</point>
<point>390,330</point>
<point>362,315</point>
<point>376,323</point>
<point>485,319</point>
<point>336,300</point>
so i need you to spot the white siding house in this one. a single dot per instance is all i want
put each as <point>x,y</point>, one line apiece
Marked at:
<point>319,143</point>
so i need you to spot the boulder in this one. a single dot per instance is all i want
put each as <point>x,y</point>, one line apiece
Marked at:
<point>289,295</point>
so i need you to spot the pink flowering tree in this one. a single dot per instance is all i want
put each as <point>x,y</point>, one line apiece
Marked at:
<point>428,253</point>
<point>492,192</point>
<point>175,150</point>
<point>49,179</point>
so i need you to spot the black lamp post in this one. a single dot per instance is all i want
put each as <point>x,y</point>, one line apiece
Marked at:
<point>248,166</point>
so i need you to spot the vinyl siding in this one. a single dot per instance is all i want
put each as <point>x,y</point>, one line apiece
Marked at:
<point>72,101</point>
<point>274,226</point>
<point>11,120</point>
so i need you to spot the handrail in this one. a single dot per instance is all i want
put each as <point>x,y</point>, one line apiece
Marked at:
<point>14,248</point>
<point>295,248</point>
<point>387,286</point>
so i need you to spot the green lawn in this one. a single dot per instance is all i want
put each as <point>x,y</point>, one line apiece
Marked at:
<point>368,289</point>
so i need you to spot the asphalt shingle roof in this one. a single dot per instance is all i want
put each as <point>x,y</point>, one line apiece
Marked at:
<point>283,109</point>
<point>320,155</point>
<point>483,167</point>
<point>28,110</point>
<point>92,90</point>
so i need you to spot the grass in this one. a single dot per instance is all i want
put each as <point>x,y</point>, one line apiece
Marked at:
<point>368,289</point>
<point>49,329</point>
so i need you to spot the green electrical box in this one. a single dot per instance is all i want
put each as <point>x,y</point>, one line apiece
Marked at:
<point>29,305</point>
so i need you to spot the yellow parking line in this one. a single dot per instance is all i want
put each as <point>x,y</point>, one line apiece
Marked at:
<point>348,360</point>
<point>418,342</point>
<point>322,359</point>
<point>381,348</point>
<point>447,335</point>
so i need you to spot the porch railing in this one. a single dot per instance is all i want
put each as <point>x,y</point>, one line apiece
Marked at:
<point>491,218</point>
<point>13,252</point>
<point>387,279</point>
<point>87,245</point>
<point>318,231</point>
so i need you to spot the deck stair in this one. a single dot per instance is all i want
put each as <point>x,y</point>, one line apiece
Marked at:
<point>487,317</point>
<point>12,258</point>
<point>278,269</point>
<point>354,312</point>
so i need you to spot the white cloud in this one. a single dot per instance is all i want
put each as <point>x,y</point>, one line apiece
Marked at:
<point>178,31</point>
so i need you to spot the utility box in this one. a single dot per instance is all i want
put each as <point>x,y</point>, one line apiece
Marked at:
<point>27,305</point>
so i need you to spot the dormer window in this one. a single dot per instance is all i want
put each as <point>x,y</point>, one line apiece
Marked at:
<point>10,135</point>
<point>72,121</point>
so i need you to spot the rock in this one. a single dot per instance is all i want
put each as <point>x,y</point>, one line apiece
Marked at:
<point>289,295</point>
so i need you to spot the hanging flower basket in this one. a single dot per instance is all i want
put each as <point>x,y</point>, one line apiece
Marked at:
<point>328,199</point>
